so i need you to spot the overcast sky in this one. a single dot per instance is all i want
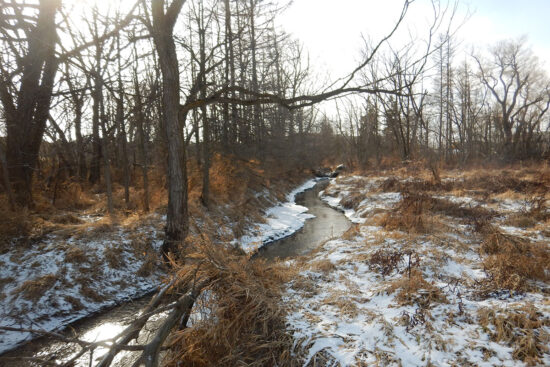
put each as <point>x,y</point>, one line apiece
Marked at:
<point>331,29</point>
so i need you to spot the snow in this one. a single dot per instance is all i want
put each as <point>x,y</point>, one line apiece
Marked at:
<point>78,288</point>
<point>353,318</point>
<point>86,286</point>
<point>282,220</point>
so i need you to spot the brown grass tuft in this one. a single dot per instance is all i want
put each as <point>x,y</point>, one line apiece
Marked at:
<point>512,261</point>
<point>352,201</point>
<point>75,255</point>
<point>113,256</point>
<point>416,290</point>
<point>324,266</point>
<point>522,329</point>
<point>34,289</point>
<point>13,225</point>
<point>245,323</point>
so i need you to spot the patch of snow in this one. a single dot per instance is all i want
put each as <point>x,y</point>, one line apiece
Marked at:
<point>282,220</point>
<point>353,319</point>
<point>73,288</point>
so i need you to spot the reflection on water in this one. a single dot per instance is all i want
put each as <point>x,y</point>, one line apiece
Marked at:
<point>101,327</point>
<point>328,223</point>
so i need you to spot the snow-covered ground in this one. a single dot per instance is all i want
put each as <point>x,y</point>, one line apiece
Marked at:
<point>66,277</point>
<point>380,297</point>
<point>61,280</point>
<point>281,221</point>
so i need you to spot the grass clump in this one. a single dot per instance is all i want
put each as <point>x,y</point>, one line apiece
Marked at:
<point>408,215</point>
<point>34,289</point>
<point>415,290</point>
<point>523,329</point>
<point>113,256</point>
<point>75,255</point>
<point>244,323</point>
<point>510,261</point>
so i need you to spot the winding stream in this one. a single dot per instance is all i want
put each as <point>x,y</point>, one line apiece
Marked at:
<point>327,223</point>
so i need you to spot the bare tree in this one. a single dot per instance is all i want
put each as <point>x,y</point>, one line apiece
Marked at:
<point>513,76</point>
<point>28,68</point>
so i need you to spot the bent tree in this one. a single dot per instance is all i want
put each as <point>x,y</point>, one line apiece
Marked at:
<point>27,75</point>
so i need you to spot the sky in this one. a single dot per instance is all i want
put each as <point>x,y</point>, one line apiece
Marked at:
<point>331,29</point>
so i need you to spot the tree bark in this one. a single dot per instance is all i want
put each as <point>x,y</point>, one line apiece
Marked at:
<point>27,115</point>
<point>177,221</point>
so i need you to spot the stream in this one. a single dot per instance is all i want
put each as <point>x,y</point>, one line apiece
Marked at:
<point>327,223</point>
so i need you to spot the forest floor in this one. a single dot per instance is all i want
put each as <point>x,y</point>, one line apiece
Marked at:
<point>73,262</point>
<point>448,272</point>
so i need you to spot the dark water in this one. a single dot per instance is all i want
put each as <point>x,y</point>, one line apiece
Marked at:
<point>327,223</point>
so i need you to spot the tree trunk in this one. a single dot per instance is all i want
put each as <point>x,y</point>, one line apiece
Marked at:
<point>205,195</point>
<point>177,221</point>
<point>106,162</point>
<point>27,115</point>
<point>6,179</point>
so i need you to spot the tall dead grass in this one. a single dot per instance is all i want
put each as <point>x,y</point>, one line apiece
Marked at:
<point>522,329</point>
<point>244,323</point>
<point>510,261</point>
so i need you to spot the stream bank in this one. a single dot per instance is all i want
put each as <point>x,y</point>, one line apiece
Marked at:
<point>310,223</point>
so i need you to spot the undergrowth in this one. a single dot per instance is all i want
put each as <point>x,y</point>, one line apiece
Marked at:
<point>243,322</point>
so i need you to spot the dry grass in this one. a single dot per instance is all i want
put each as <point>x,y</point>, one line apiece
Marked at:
<point>13,225</point>
<point>113,256</point>
<point>245,325</point>
<point>408,215</point>
<point>352,201</point>
<point>324,266</point>
<point>150,264</point>
<point>416,290</point>
<point>522,329</point>
<point>34,289</point>
<point>75,255</point>
<point>344,302</point>
<point>90,293</point>
<point>416,211</point>
<point>75,302</point>
<point>305,285</point>
<point>512,261</point>
<point>520,220</point>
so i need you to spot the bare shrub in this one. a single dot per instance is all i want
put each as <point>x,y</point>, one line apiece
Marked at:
<point>385,262</point>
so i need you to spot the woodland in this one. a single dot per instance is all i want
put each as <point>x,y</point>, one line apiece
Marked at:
<point>148,148</point>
